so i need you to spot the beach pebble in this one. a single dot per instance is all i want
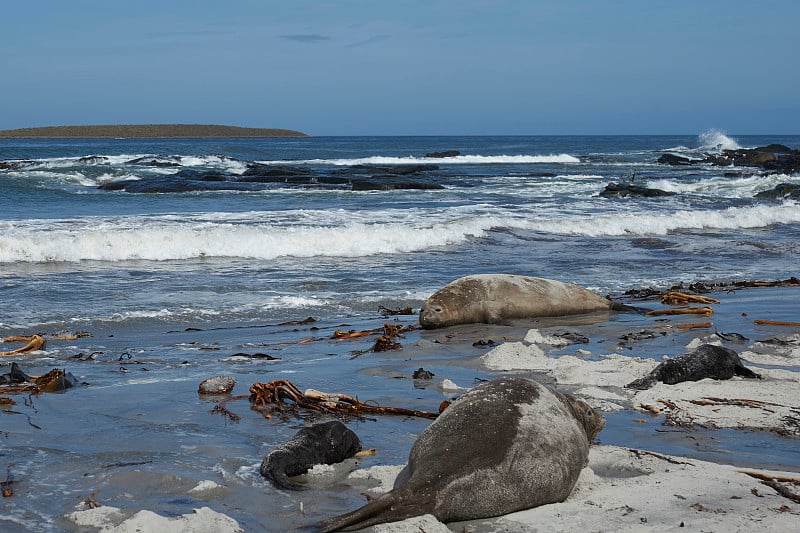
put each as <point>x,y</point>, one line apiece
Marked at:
<point>217,385</point>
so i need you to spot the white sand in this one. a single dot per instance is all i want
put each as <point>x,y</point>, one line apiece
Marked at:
<point>112,520</point>
<point>770,403</point>
<point>637,491</point>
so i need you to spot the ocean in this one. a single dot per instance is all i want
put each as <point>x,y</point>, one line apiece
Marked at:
<point>176,255</point>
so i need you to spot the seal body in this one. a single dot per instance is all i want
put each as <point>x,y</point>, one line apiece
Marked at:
<point>707,361</point>
<point>494,298</point>
<point>325,443</point>
<point>506,445</point>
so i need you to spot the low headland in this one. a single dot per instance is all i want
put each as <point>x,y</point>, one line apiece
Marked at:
<point>144,131</point>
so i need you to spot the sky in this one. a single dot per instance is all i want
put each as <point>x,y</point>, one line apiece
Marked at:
<point>428,67</point>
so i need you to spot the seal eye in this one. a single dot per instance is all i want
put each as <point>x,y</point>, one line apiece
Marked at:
<point>437,309</point>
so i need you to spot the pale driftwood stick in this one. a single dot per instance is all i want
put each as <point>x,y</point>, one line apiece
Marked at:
<point>705,311</point>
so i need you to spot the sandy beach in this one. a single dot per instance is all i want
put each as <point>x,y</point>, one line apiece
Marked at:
<point>671,457</point>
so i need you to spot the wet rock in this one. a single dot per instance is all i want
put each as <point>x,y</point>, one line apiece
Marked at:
<point>421,373</point>
<point>217,385</point>
<point>624,190</point>
<point>782,191</point>
<point>446,153</point>
<point>674,160</point>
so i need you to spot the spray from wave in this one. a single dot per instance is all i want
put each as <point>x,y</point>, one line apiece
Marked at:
<point>714,140</point>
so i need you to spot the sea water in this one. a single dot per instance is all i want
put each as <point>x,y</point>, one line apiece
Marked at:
<point>173,286</point>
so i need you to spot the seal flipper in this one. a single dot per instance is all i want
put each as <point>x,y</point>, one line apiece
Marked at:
<point>622,308</point>
<point>395,505</point>
<point>743,371</point>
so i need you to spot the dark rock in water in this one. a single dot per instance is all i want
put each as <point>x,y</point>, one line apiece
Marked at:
<point>674,160</point>
<point>257,169</point>
<point>391,170</point>
<point>390,183</point>
<point>9,164</point>
<point>15,376</point>
<point>446,153</point>
<point>164,161</point>
<point>325,443</point>
<point>217,385</point>
<point>782,191</point>
<point>421,373</point>
<point>93,160</point>
<point>774,149</point>
<point>624,190</point>
<point>707,361</point>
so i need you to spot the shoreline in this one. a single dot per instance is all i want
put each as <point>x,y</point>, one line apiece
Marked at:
<point>639,457</point>
<point>148,131</point>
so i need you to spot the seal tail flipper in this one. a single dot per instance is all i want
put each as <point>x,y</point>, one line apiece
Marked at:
<point>743,371</point>
<point>615,306</point>
<point>390,507</point>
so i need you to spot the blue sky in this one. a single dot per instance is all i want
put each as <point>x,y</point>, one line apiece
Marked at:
<point>406,67</point>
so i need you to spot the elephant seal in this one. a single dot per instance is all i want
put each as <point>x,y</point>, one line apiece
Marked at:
<point>506,445</point>
<point>707,361</point>
<point>324,443</point>
<point>495,298</point>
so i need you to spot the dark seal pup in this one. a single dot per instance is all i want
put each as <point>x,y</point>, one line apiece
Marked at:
<point>325,443</point>
<point>506,445</point>
<point>497,298</point>
<point>707,361</point>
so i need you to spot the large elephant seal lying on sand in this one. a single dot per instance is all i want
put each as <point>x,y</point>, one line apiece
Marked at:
<point>495,298</point>
<point>506,445</point>
<point>325,443</point>
<point>707,361</point>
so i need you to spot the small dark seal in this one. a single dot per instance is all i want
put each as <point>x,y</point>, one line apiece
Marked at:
<point>325,443</point>
<point>707,361</point>
<point>506,445</point>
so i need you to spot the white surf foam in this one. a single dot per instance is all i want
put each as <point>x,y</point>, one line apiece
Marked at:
<point>714,140</point>
<point>661,224</point>
<point>411,160</point>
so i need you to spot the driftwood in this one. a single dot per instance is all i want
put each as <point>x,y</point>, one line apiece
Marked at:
<point>774,482</point>
<point>682,298</point>
<point>705,311</point>
<point>776,323</point>
<point>35,343</point>
<point>697,325</point>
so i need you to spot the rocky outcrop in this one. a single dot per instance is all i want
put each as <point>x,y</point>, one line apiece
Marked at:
<point>775,158</point>
<point>446,153</point>
<point>675,160</point>
<point>783,191</point>
<point>624,190</point>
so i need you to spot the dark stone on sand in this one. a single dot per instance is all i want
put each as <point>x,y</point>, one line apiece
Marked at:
<point>674,160</point>
<point>217,385</point>
<point>446,153</point>
<point>783,191</point>
<point>421,373</point>
<point>707,361</point>
<point>625,190</point>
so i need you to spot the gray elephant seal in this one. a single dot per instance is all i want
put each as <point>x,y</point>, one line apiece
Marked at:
<point>326,443</point>
<point>707,361</point>
<point>506,445</point>
<point>495,298</point>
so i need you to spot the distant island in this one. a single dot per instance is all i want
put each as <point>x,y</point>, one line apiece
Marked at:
<point>149,131</point>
